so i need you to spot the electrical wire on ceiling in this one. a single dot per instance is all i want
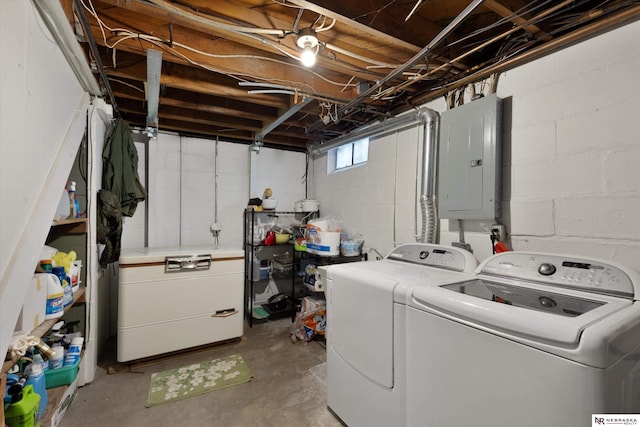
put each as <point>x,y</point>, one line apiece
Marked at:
<point>415,8</point>
<point>489,41</point>
<point>431,73</point>
<point>509,43</point>
<point>521,43</point>
<point>581,18</point>
<point>112,79</point>
<point>164,44</point>
<point>375,13</point>
<point>514,46</point>
<point>528,9</point>
<point>126,34</point>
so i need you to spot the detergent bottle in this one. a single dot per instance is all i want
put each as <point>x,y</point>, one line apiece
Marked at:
<point>37,379</point>
<point>55,298</point>
<point>24,410</point>
<point>65,282</point>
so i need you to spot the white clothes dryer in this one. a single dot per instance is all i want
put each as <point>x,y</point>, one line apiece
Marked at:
<point>366,336</point>
<point>533,339</point>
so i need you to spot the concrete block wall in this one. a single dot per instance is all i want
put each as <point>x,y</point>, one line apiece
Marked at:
<point>182,189</point>
<point>283,172</point>
<point>376,200</point>
<point>571,159</point>
<point>571,173</point>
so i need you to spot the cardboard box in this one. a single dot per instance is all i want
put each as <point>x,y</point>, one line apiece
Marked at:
<point>62,403</point>
<point>310,304</point>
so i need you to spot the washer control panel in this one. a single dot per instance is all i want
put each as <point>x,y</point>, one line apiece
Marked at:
<point>431,255</point>
<point>583,274</point>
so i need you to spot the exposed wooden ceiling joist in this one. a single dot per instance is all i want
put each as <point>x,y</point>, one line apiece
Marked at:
<point>210,47</point>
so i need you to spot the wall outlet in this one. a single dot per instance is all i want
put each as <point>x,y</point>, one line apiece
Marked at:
<point>499,231</point>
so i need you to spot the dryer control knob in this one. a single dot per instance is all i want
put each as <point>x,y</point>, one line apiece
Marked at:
<point>546,269</point>
<point>547,302</point>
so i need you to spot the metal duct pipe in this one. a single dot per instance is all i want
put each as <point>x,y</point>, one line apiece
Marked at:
<point>393,124</point>
<point>431,120</point>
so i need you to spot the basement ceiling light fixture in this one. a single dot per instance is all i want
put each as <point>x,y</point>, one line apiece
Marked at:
<point>308,42</point>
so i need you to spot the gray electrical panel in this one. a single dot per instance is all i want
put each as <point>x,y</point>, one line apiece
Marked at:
<point>469,160</point>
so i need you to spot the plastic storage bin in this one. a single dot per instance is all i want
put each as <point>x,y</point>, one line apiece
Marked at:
<point>61,376</point>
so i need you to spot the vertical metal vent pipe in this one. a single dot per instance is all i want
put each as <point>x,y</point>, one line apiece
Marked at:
<point>428,206</point>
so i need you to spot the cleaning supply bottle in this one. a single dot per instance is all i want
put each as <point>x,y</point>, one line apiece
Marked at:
<point>46,265</point>
<point>65,283</point>
<point>73,205</point>
<point>37,380</point>
<point>57,360</point>
<point>77,203</point>
<point>24,410</point>
<point>73,355</point>
<point>39,360</point>
<point>55,298</point>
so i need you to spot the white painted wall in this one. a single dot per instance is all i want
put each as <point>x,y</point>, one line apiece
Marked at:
<point>182,189</point>
<point>376,200</point>
<point>574,166</point>
<point>571,159</point>
<point>283,172</point>
<point>42,117</point>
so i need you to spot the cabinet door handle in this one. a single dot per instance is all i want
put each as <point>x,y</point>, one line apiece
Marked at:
<point>225,313</point>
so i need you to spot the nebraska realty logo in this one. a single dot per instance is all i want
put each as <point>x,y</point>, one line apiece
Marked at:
<point>615,420</point>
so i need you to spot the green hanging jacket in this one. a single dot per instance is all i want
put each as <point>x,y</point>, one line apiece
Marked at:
<point>120,168</point>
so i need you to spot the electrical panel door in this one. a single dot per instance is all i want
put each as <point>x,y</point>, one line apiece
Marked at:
<point>469,160</point>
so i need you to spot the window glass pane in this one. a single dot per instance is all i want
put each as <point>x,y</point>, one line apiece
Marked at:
<point>360,151</point>
<point>344,156</point>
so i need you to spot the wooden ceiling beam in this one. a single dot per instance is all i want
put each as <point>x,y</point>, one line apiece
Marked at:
<point>134,67</point>
<point>166,111</point>
<point>366,31</point>
<point>369,34</point>
<point>505,12</point>
<point>202,117</point>
<point>195,129</point>
<point>233,60</point>
<point>262,58</point>
<point>274,15</point>
<point>196,101</point>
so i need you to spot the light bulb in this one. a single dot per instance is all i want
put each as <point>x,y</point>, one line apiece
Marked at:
<point>308,57</point>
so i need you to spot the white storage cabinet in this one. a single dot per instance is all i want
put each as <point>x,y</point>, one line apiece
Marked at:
<point>176,298</point>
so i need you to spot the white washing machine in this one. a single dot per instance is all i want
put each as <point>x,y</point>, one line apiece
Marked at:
<point>532,340</point>
<point>366,337</point>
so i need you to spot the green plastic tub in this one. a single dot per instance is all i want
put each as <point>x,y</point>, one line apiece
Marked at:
<point>61,376</point>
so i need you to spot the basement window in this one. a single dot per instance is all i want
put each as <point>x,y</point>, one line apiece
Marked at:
<point>348,155</point>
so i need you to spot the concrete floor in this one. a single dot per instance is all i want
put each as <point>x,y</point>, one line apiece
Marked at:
<point>288,388</point>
